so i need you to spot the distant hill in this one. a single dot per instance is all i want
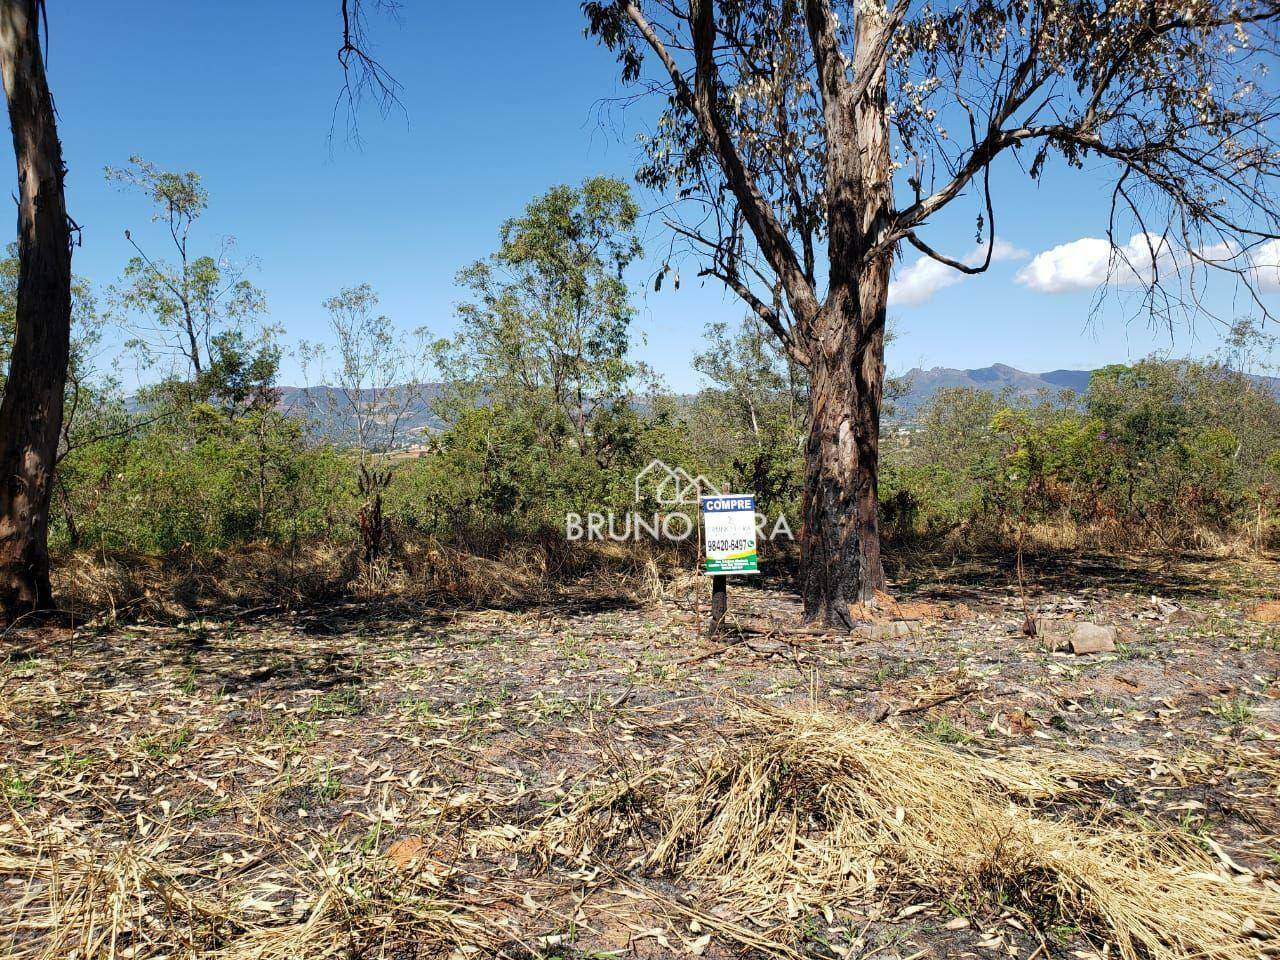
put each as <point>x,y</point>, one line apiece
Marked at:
<point>1000,377</point>
<point>996,378</point>
<point>417,420</point>
<point>924,384</point>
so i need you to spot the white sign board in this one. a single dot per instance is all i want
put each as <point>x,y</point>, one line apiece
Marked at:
<point>729,533</point>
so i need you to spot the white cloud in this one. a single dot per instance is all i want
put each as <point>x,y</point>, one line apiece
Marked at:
<point>1090,262</point>
<point>918,282</point>
<point>1078,265</point>
<point>921,279</point>
<point>1266,264</point>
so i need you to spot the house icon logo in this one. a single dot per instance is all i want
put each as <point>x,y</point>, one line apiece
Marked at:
<point>671,486</point>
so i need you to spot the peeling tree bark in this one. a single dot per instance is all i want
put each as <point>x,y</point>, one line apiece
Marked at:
<point>31,412</point>
<point>841,533</point>
<point>845,341</point>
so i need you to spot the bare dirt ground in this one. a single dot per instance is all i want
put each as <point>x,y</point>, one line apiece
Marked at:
<point>325,782</point>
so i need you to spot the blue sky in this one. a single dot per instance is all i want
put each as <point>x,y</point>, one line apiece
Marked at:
<point>501,100</point>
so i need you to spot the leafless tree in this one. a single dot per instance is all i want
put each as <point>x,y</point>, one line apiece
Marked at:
<point>807,141</point>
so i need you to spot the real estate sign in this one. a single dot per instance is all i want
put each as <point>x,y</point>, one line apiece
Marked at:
<point>729,533</point>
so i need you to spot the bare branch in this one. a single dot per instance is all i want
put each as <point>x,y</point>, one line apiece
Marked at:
<point>701,103</point>
<point>363,76</point>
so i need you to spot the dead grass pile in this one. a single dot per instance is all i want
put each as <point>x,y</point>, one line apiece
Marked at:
<point>188,583</point>
<point>184,583</point>
<point>432,571</point>
<point>1065,535</point>
<point>108,899</point>
<point>807,808</point>
<point>87,902</point>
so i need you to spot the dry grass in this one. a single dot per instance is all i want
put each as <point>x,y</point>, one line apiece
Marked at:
<point>1266,612</point>
<point>184,584</point>
<point>314,784</point>
<point>99,898</point>
<point>807,808</point>
<point>1065,535</point>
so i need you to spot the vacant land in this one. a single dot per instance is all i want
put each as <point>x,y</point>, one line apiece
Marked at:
<point>367,781</point>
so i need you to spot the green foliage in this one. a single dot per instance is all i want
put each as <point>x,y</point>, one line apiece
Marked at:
<point>950,473</point>
<point>1158,452</point>
<point>86,323</point>
<point>194,477</point>
<point>546,332</point>
<point>542,403</point>
<point>195,315</point>
<point>548,413</point>
<point>198,476</point>
<point>752,415</point>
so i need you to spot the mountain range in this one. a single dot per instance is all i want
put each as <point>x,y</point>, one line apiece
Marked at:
<point>1000,377</point>
<point>923,385</point>
<point>321,405</point>
<point>997,378</point>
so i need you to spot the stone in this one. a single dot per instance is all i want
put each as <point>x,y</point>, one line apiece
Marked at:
<point>1092,638</point>
<point>894,630</point>
<point>1055,633</point>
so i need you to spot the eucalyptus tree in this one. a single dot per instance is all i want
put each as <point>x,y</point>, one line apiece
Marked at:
<point>749,368</point>
<point>753,409</point>
<point>32,410</point>
<point>193,315</point>
<point>31,414</point>
<point>809,140</point>
<point>545,330</point>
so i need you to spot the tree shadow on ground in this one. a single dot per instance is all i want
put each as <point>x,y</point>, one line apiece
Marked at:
<point>974,579</point>
<point>322,647</point>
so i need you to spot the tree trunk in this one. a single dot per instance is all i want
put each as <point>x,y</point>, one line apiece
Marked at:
<point>31,412</point>
<point>845,342</point>
<point>840,542</point>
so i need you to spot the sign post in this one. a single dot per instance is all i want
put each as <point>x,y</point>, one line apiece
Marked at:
<point>719,604</point>
<point>729,539</point>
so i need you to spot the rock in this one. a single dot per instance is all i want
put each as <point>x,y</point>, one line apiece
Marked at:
<point>1078,636</point>
<point>1053,632</point>
<point>1092,638</point>
<point>894,630</point>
